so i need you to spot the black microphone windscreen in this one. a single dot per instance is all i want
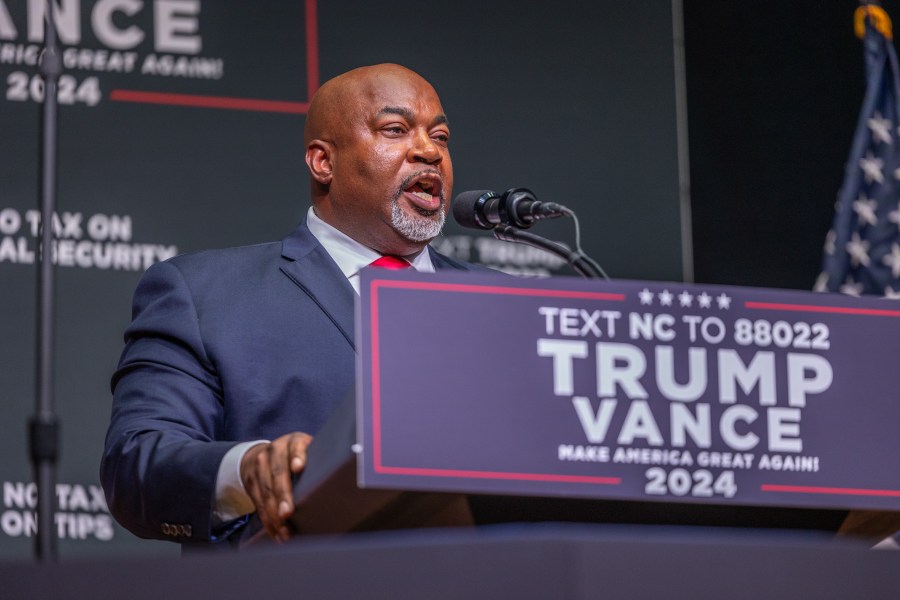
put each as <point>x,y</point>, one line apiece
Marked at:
<point>467,206</point>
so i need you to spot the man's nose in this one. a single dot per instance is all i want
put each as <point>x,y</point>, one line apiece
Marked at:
<point>424,149</point>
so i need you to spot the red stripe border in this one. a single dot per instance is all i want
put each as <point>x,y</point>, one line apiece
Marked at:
<point>375,287</point>
<point>500,475</point>
<point>845,310</point>
<point>805,489</point>
<point>251,104</point>
<point>468,288</point>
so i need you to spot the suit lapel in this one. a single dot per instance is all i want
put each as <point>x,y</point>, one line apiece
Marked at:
<point>309,266</point>
<point>442,262</point>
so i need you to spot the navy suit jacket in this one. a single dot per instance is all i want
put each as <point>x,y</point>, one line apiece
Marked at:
<point>225,346</point>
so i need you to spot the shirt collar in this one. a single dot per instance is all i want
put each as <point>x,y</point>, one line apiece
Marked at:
<point>351,256</point>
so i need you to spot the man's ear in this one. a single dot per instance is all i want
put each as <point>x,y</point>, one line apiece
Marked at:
<point>318,159</point>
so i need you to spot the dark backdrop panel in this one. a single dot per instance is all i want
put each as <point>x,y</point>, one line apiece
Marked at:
<point>774,92</point>
<point>184,178</point>
<point>574,100</point>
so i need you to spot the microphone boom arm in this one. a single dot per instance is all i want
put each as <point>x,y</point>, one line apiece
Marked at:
<point>581,262</point>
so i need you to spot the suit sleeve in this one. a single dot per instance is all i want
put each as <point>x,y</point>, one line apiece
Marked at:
<point>161,454</point>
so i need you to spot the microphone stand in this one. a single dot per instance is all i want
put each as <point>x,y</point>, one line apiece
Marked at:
<point>581,262</point>
<point>43,427</point>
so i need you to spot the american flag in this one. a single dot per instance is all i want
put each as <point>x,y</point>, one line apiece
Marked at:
<point>862,249</point>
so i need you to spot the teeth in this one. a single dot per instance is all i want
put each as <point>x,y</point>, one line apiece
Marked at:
<point>422,195</point>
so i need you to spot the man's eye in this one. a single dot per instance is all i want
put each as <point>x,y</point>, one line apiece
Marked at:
<point>441,137</point>
<point>395,129</point>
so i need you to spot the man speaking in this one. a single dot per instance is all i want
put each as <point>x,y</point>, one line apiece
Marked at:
<point>234,357</point>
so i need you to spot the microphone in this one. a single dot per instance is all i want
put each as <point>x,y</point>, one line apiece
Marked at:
<point>484,209</point>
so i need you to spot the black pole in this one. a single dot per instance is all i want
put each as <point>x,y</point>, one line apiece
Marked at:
<point>43,428</point>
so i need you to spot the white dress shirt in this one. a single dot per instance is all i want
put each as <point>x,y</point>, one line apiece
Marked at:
<point>351,256</point>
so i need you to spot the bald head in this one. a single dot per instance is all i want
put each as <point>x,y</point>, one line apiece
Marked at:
<point>377,150</point>
<point>337,101</point>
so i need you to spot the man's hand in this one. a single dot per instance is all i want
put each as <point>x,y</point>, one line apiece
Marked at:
<point>266,471</point>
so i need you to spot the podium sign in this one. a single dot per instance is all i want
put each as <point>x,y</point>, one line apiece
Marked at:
<point>628,390</point>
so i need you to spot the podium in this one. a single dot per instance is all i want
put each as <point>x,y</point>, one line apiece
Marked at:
<point>552,561</point>
<point>636,402</point>
<point>329,501</point>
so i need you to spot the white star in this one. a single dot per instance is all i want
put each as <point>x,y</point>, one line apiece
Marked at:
<point>704,300</point>
<point>858,250</point>
<point>830,239</point>
<point>893,260</point>
<point>665,298</point>
<point>897,174</point>
<point>890,294</point>
<point>646,296</point>
<point>894,215</point>
<point>685,298</point>
<point>880,128</point>
<point>821,284</point>
<point>871,167</point>
<point>851,289</point>
<point>865,209</point>
<point>723,301</point>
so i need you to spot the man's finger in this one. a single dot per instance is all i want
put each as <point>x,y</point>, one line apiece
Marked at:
<point>263,494</point>
<point>266,471</point>
<point>288,455</point>
<point>298,445</point>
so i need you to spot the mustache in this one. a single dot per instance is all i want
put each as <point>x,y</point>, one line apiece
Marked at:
<point>407,181</point>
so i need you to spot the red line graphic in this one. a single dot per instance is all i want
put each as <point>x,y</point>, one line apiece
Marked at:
<point>376,383</point>
<point>209,101</point>
<point>252,104</point>
<point>872,312</point>
<point>803,489</point>
<point>312,49</point>
<point>492,289</point>
<point>376,380</point>
<point>499,475</point>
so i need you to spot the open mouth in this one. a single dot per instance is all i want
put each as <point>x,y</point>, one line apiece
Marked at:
<point>424,191</point>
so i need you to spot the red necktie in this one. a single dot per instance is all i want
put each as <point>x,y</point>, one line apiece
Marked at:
<point>390,262</point>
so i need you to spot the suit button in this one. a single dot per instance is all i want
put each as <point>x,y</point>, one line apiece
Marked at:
<point>187,530</point>
<point>166,529</point>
